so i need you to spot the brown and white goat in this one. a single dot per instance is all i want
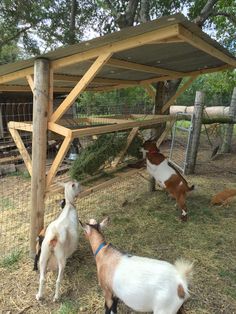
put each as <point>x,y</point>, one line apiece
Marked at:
<point>166,176</point>
<point>143,284</point>
<point>60,240</point>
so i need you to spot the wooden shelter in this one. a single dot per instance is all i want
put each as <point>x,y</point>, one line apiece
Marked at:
<point>168,48</point>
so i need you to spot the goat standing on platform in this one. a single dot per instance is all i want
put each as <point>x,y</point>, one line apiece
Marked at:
<point>166,176</point>
<point>60,240</point>
<point>143,284</point>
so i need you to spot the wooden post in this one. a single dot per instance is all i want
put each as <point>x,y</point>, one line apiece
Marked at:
<point>229,128</point>
<point>195,136</point>
<point>1,124</point>
<point>39,148</point>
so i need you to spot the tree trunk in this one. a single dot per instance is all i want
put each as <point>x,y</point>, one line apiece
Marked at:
<point>164,91</point>
<point>72,29</point>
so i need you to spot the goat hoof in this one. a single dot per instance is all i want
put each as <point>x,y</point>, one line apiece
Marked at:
<point>38,297</point>
<point>56,299</point>
<point>184,218</point>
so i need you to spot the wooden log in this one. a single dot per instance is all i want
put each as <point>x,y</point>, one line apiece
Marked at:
<point>195,136</point>
<point>215,114</point>
<point>39,148</point>
<point>228,134</point>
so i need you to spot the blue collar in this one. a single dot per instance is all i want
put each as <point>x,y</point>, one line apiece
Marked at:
<point>99,248</point>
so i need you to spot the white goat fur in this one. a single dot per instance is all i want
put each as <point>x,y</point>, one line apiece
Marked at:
<point>61,239</point>
<point>144,284</point>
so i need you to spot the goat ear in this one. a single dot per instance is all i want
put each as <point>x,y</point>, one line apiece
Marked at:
<point>104,222</point>
<point>85,227</point>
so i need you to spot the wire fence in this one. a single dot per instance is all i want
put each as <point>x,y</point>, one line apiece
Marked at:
<point>15,182</point>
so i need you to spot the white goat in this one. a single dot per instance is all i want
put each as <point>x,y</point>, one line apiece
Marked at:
<point>144,284</point>
<point>60,241</point>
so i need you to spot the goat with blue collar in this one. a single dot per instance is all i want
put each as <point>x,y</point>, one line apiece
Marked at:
<point>144,284</point>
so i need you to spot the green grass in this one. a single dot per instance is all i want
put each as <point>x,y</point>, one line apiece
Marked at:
<point>22,173</point>
<point>67,307</point>
<point>6,203</point>
<point>11,260</point>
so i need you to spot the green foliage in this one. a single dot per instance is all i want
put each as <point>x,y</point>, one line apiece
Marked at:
<point>67,307</point>
<point>6,203</point>
<point>128,100</point>
<point>103,150</point>
<point>221,22</point>
<point>11,260</point>
<point>218,88</point>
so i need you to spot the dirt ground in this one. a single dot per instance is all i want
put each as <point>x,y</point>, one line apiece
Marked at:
<point>146,224</point>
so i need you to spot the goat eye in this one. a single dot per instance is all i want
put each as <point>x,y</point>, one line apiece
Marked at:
<point>73,185</point>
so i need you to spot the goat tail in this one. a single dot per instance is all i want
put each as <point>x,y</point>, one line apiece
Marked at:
<point>185,269</point>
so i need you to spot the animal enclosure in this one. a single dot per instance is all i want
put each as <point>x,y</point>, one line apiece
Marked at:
<point>16,187</point>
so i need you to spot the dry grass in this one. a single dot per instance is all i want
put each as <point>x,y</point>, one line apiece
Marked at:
<point>146,224</point>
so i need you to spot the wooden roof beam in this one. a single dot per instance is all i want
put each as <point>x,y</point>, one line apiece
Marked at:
<point>121,45</point>
<point>76,78</point>
<point>121,126</point>
<point>16,75</point>
<point>140,67</point>
<point>178,93</point>
<point>30,80</point>
<point>25,88</point>
<point>80,86</point>
<point>199,43</point>
<point>193,73</point>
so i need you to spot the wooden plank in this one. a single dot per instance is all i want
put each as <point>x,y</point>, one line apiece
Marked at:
<point>22,126</point>
<point>24,88</point>
<point>1,124</point>
<point>164,134</point>
<point>21,147</point>
<point>81,85</point>
<point>192,73</point>
<point>39,148</point>
<point>10,159</point>
<point>108,88</point>
<point>151,91</point>
<point>178,93</point>
<point>124,44</point>
<point>199,43</point>
<point>15,88</point>
<point>130,139</point>
<point>59,129</point>
<point>171,40</point>
<point>108,183</point>
<point>58,160</point>
<point>140,67</point>
<point>30,81</point>
<point>50,93</point>
<point>120,126</point>
<point>76,78</point>
<point>16,75</point>
<point>105,120</point>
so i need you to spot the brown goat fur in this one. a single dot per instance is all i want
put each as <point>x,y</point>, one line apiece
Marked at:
<point>174,182</point>
<point>223,197</point>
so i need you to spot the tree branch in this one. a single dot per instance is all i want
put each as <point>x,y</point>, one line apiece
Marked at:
<point>127,19</point>
<point>205,13</point>
<point>231,17</point>
<point>8,40</point>
<point>144,11</point>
